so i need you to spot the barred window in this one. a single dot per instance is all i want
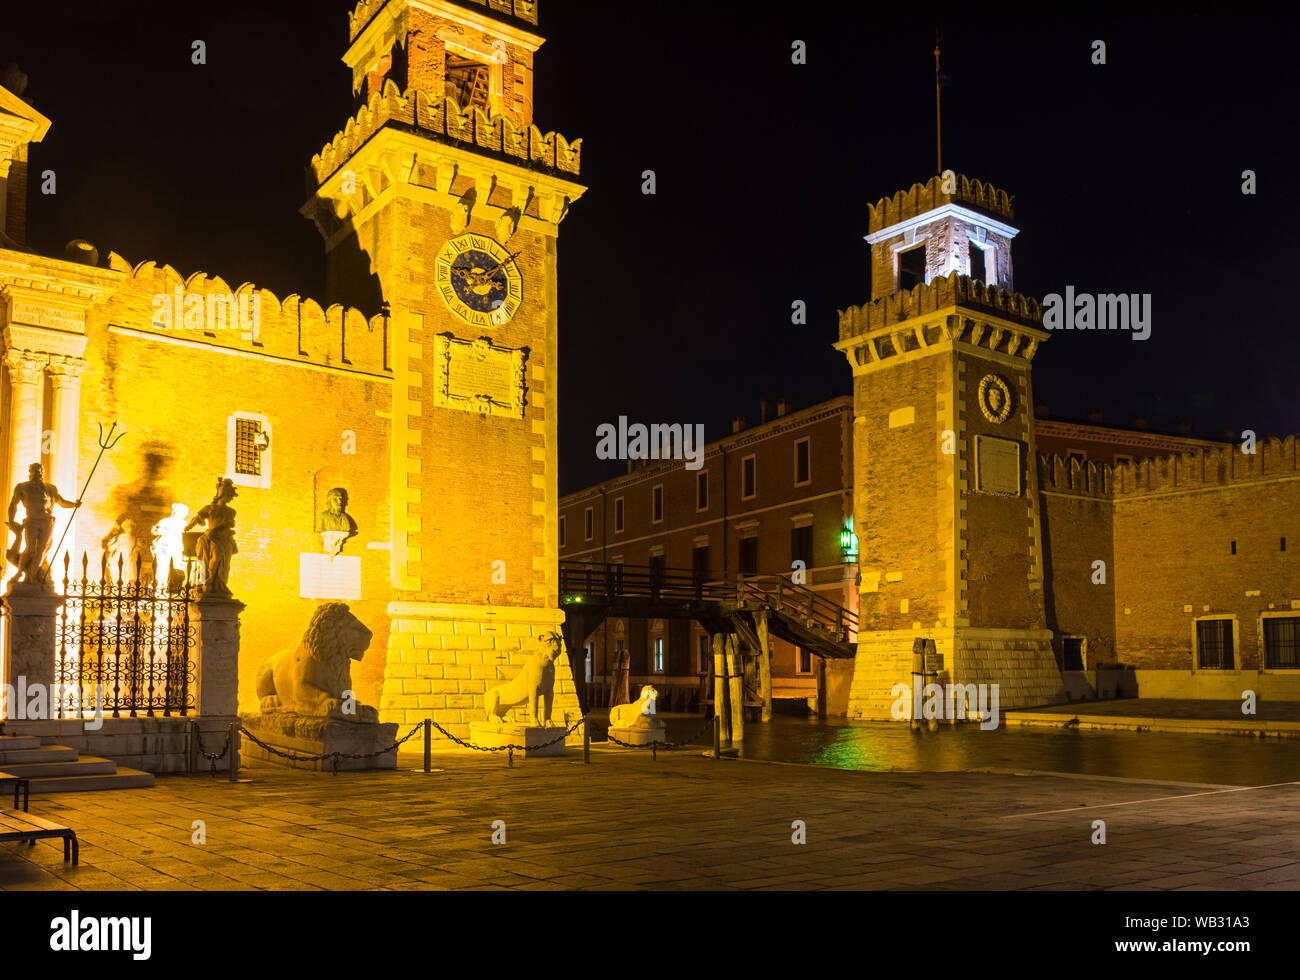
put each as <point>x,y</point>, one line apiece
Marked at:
<point>1214,644</point>
<point>1282,642</point>
<point>248,447</point>
<point>248,450</point>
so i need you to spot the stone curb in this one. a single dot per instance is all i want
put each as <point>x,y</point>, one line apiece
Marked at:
<point>1184,726</point>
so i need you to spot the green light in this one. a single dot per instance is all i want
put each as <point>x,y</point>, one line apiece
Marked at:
<point>849,541</point>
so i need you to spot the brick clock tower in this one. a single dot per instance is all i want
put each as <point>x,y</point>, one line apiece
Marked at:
<point>950,536</point>
<point>440,204</point>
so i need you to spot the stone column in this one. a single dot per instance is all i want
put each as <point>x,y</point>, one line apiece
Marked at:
<point>216,672</point>
<point>30,630</point>
<point>765,664</point>
<point>737,689</point>
<point>65,379</point>
<point>721,687</point>
<point>25,368</point>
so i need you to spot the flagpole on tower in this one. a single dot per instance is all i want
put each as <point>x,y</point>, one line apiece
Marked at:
<point>938,129</point>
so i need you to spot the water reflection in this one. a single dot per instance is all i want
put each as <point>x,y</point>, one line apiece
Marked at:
<point>884,746</point>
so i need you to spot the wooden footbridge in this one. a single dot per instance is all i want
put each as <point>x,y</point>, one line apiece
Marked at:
<point>749,608</point>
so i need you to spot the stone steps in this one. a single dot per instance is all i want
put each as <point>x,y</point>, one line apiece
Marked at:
<point>60,769</point>
<point>120,778</point>
<point>90,765</point>
<point>40,754</point>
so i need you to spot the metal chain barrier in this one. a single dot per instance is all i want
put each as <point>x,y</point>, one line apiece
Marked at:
<point>333,756</point>
<point>654,746</point>
<point>212,757</point>
<point>509,748</point>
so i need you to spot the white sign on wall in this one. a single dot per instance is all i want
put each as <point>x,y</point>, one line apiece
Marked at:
<point>323,577</point>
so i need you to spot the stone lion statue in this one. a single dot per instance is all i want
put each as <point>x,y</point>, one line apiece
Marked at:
<point>311,678</point>
<point>533,686</point>
<point>640,713</point>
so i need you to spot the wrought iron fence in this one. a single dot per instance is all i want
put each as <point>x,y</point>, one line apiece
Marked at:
<point>128,636</point>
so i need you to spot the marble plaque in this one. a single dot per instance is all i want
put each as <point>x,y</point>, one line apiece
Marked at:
<point>475,376</point>
<point>323,577</point>
<point>46,316</point>
<point>997,462</point>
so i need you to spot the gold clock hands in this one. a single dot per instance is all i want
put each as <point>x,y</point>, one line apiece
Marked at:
<point>478,280</point>
<point>503,262</point>
<point>472,279</point>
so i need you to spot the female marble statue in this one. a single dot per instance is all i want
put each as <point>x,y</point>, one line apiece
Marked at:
<point>216,545</point>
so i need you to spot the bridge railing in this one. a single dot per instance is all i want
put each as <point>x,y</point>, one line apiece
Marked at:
<point>637,582</point>
<point>799,600</point>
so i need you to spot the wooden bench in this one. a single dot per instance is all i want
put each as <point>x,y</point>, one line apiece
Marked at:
<point>21,786</point>
<point>16,826</point>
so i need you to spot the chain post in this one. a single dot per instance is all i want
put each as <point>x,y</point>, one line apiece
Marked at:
<point>428,745</point>
<point>230,747</point>
<point>510,756</point>
<point>717,737</point>
<point>586,743</point>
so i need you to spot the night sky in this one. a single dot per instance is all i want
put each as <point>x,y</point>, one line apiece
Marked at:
<point>676,307</point>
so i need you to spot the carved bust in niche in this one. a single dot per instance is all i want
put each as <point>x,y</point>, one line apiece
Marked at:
<point>336,524</point>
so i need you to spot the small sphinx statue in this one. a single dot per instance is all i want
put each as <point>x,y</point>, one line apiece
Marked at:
<point>533,688</point>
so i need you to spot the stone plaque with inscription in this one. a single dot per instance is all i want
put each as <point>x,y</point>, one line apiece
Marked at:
<point>475,376</point>
<point>997,463</point>
<point>323,577</point>
<point>46,316</point>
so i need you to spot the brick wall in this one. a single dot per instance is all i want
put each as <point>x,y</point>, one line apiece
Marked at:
<point>172,391</point>
<point>1174,562</point>
<point>904,516</point>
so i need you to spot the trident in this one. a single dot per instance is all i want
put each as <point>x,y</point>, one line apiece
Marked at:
<point>106,442</point>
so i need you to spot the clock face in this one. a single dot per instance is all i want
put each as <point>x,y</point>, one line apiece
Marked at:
<point>479,280</point>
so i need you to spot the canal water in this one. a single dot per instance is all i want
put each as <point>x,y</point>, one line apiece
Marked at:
<point>885,746</point>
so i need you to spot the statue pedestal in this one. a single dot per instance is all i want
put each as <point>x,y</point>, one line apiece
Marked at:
<point>30,637</point>
<point>216,653</point>
<point>532,737</point>
<point>639,735</point>
<point>304,735</point>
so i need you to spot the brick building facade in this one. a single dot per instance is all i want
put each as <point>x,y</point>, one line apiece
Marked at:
<point>770,498</point>
<point>1057,560</point>
<point>423,384</point>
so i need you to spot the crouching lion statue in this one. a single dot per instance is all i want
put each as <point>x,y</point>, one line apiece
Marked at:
<point>311,678</point>
<point>533,686</point>
<point>638,714</point>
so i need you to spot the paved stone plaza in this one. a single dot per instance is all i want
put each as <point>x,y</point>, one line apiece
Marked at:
<point>628,821</point>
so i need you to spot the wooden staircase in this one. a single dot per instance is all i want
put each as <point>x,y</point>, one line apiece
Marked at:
<point>59,769</point>
<point>796,614</point>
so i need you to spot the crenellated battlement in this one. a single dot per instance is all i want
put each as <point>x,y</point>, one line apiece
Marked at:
<point>920,198</point>
<point>938,294</point>
<point>364,12</point>
<point>1197,469</point>
<point>443,119</point>
<point>1060,475</point>
<point>293,328</point>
